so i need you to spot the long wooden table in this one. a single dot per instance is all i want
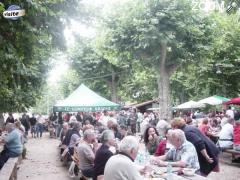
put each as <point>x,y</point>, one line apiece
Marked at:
<point>175,176</point>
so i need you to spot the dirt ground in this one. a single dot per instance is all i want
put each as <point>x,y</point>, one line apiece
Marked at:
<point>43,163</point>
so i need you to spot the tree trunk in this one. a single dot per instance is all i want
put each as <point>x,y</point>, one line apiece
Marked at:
<point>113,87</point>
<point>164,85</point>
<point>1,121</point>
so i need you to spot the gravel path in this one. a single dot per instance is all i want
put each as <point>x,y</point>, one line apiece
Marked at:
<point>42,161</point>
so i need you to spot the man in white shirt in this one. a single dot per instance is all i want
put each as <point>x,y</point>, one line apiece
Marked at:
<point>104,118</point>
<point>230,112</point>
<point>122,166</point>
<point>226,135</point>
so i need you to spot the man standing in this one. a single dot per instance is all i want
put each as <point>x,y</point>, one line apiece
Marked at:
<point>139,120</point>
<point>13,146</point>
<point>104,118</point>
<point>33,122</point>
<point>230,112</point>
<point>133,120</point>
<point>10,118</point>
<point>25,122</point>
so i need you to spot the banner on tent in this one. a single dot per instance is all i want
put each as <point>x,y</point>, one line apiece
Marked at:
<point>83,109</point>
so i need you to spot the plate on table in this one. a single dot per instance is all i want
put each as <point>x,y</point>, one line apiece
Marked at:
<point>188,171</point>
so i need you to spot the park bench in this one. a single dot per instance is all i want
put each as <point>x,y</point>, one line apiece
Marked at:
<point>9,170</point>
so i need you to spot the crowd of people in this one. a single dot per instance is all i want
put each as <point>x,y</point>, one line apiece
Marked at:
<point>107,144</point>
<point>103,141</point>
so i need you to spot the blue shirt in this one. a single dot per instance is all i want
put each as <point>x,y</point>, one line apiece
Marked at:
<point>186,153</point>
<point>13,142</point>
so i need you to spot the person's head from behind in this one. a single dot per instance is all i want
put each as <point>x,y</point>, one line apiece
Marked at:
<point>9,127</point>
<point>178,123</point>
<point>114,127</point>
<point>108,138</point>
<point>188,120</point>
<point>214,122</point>
<point>231,121</point>
<point>65,125</point>
<point>17,124</point>
<point>89,136</point>
<point>87,122</point>
<point>129,145</point>
<point>105,112</point>
<point>205,121</point>
<point>176,137</point>
<point>123,130</point>
<point>111,114</point>
<point>145,114</point>
<point>77,126</point>
<point>110,124</point>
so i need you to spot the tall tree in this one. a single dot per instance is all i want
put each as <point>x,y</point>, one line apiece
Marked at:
<point>218,72</point>
<point>163,34</point>
<point>26,46</point>
<point>94,69</point>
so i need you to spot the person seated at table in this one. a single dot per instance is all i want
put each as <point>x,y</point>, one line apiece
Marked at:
<point>75,138</point>
<point>13,146</point>
<point>226,135</point>
<point>236,140</point>
<point>162,146</point>
<point>103,153</point>
<point>124,131</point>
<point>206,149</point>
<point>151,139</point>
<point>121,166</point>
<point>224,120</point>
<point>63,131</point>
<point>86,152</point>
<point>214,125</point>
<point>116,132</point>
<point>66,140</point>
<point>182,154</point>
<point>87,125</point>
<point>161,127</point>
<point>21,130</point>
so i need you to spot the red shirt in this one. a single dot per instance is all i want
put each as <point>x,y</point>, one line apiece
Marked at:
<point>236,134</point>
<point>161,148</point>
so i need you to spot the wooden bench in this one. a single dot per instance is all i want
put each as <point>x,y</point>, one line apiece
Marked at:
<point>9,170</point>
<point>232,152</point>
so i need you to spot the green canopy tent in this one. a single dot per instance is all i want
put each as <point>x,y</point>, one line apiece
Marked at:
<point>84,99</point>
<point>214,100</point>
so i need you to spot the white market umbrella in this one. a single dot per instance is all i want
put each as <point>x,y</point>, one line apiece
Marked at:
<point>190,105</point>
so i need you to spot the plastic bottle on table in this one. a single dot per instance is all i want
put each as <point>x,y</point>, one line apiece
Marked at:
<point>169,171</point>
